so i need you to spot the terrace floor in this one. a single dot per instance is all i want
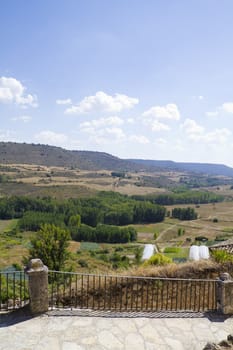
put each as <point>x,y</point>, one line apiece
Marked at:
<point>89,330</point>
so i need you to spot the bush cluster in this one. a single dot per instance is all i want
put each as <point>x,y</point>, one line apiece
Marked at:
<point>158,259</point>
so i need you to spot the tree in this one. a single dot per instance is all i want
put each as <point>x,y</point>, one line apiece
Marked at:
<point>75,220</point>
<point>50,245</point>
<point>184,213</point>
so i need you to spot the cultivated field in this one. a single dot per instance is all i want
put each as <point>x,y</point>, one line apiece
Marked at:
<point>38,180</point>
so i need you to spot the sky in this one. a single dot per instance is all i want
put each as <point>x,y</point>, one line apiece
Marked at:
<point>149,79</point>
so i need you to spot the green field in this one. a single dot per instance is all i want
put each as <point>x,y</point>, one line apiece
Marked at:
<point>176,252</point>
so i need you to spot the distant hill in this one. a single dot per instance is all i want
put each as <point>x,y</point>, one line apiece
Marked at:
<point>201,168</point>
<point>22,153</point>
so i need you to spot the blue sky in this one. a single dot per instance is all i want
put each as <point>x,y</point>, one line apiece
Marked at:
<point>148,79</point>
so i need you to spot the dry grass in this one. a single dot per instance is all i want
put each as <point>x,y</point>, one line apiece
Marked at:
<point>203,226</point>
<point>12,256</point>
<point>43,176</point>
<point>191,269</point>
<point>73,246</point>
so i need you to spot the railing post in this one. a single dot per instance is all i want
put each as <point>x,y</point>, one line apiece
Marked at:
<point>225,294</point>
<point>38,286</point>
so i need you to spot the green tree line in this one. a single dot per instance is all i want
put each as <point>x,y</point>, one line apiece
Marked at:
<point>104,234</point>
<point>184,197</point>
<point>105,208</point>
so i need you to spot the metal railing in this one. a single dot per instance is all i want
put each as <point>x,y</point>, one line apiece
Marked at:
<point>13,290</point>
<point>127,293</point>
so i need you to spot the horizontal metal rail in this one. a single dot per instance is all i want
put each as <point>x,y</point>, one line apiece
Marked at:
<point>127,293</point>
<point>13,290</point>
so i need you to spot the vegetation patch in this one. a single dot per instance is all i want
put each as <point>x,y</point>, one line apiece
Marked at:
<point>177,254</point>
<point>158,259</point>
<point>172,250</point>
<point>89,246</point>
<point>222,256</point>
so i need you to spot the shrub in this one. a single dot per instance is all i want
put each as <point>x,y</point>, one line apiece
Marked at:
<point>215,219</point>
<point>82,263</point>
<point>180,231</point>
<point>119,261</point>
<point>158,259</point>
<point>156,234</point>
<point>138,254</point>
<point>119,249</point>
<point>221,256</point>
<point>103,257</point>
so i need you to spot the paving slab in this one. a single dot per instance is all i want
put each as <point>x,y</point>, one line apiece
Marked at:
<point>86,330</point>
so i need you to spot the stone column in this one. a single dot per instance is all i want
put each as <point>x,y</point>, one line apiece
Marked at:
<point>225,294</point>
<point>38,286</point>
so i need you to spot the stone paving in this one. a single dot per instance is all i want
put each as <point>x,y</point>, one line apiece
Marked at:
<point>80,331</point>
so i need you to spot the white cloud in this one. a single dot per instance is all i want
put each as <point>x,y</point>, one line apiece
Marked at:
<point>197,133</point>
<point>157,126</point>
<point>170,111</point>
<point>23,118</point>
<point>218,136</point>
<point>104,130</point>
<point>151,117</point>
<point>227,107</point>
<point>64,102</point>
<point>117,133</point>
<point>7,135</point>
<point>130,120</point>
<point>97,123</point>
<point>51,138</point>
<point>101,102</point>
<point>12,91</point>
<point>106,135</point>
<point>190,126</point>
<point>139,139</point>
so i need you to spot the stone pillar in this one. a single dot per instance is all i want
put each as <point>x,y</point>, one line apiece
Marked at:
<point>38,286</point>
<point>225,294</point>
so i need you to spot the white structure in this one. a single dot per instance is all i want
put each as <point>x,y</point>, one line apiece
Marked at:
<point>204,252</point>
<point>194,252</point>
<point>148,251</point>
<point>198,252</point>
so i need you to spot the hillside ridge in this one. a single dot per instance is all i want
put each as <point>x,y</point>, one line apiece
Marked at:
<point>202,168</point>
<point>40,154</point>
<point>23,153</point>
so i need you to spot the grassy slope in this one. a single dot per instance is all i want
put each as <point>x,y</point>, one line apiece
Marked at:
<point>12,248</point>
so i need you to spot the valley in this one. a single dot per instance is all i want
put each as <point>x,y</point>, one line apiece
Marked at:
<point>60,184</point>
